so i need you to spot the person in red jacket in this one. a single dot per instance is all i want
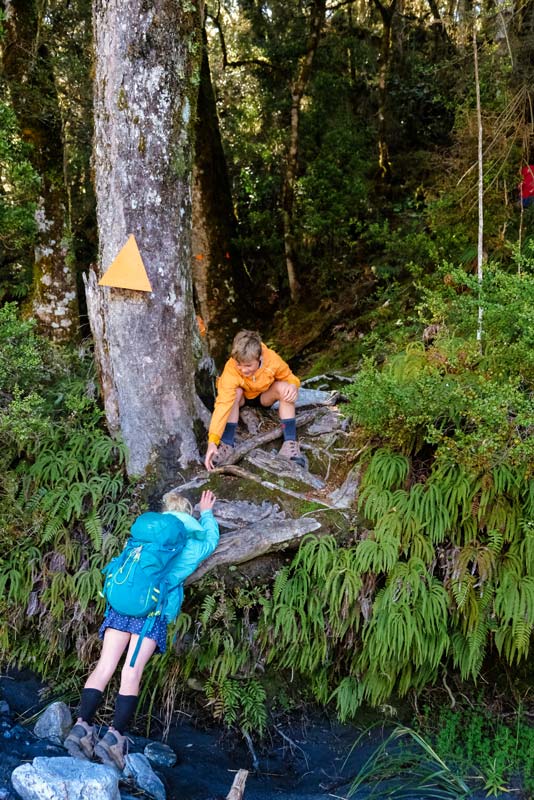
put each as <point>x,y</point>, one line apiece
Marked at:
<point>526,187</point>
<point>255,375</point>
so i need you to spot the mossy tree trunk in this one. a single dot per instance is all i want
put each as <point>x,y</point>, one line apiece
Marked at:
<point>219,277</point>
<point>146,83</point>
<point>28,69</point>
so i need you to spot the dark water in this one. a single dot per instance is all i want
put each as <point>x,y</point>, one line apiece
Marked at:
<point>306,758</point>
<point>302,760</point>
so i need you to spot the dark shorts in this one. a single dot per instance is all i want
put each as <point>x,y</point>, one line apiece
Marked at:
<point>120,622</point>
<point>254,402</point>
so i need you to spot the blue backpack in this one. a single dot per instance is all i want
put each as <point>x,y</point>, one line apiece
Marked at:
<point>134,581</point>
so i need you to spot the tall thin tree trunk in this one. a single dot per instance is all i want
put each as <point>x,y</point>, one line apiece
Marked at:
<point>480,248</point>
<point>145,94</point>
<point>297,91</point>
<point>27,67</point>
<point>387,13</point>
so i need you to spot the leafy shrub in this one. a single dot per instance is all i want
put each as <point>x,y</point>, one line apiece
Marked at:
<point>486,748</point>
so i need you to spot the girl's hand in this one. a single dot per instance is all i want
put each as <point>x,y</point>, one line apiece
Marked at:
<point>207,501</point>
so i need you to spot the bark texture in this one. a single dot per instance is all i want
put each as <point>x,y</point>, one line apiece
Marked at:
<point>245,544</point>
<point>27,66</point>
<point>145,95</point>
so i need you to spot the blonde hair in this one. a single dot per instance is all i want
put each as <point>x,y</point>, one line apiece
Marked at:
<point>174,501</point>
<point>246,346</point>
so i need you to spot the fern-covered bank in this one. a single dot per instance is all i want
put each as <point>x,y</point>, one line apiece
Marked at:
<point>432,585</point>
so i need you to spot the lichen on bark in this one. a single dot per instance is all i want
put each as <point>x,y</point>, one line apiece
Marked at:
<point>144,341</point>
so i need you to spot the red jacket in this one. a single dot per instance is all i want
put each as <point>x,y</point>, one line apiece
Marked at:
<point>527,184</point>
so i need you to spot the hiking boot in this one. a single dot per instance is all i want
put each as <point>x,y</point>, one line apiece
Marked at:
<point>223,454</point>
<point>80,742</point>
<point>291,450</point>
<point>111,749</point>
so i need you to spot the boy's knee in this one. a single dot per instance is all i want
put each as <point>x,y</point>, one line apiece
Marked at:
<point>240,396</point>
<point>279,387</point>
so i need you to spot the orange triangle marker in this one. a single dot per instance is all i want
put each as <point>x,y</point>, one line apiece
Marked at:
<point>127,270</point>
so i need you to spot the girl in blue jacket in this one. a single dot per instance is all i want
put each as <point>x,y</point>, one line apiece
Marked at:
<point>120,632</point>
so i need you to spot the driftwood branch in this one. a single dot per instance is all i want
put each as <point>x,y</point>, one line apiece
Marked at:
<point>238,786</point>
<point>245,544</point>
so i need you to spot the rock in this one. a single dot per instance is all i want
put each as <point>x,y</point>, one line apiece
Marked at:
<point>328,422</point>
<point>139,770</point>
<point>5,711</point>
<point>161,754</point>
<point>346,495</point>
<point>54,723</point>
<point>63,777</point>
<point>18,733</point>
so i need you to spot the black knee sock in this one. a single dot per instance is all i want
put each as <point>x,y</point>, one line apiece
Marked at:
<point>91,699</point>
<point>229,433</point>
<point>125,706</point>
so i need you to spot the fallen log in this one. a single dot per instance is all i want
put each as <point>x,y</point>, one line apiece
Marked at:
<point>245,544</point>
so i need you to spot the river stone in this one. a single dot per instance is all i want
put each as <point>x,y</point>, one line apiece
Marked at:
<point>54,723</point>
<point>65,778</point>
<point>5,711</point>
<point>139,770</point>
<point>161,754</point>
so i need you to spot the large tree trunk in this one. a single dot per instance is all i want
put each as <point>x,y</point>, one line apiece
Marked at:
<point>28,69</point>
<point>145,97</point>
<point>218,274</point>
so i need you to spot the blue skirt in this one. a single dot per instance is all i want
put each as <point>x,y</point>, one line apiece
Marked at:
<point>120,622</point>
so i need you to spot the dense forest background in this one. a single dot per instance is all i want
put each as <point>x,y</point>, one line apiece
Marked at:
<point>355,198</point>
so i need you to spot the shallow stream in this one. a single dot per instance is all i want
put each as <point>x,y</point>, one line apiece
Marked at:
<point>311,759</point>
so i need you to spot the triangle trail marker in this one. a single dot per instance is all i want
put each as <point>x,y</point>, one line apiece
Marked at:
<point>127,270</point>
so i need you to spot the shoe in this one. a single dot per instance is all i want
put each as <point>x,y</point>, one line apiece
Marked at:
<point>111,749</point>
<point>291,450</point>
<point>80,742</point>
<point>223,454</point>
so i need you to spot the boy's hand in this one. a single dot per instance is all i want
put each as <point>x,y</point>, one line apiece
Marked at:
<point>210,454</point>
<point>289,392</point>
<point>207,501</point>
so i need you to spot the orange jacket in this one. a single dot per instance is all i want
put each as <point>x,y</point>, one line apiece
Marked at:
<point>272,368</point>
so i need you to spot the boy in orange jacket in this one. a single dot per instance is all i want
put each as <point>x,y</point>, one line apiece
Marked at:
<point>257,376</point>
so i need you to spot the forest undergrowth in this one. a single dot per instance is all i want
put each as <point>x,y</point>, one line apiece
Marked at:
<point>434,585</point>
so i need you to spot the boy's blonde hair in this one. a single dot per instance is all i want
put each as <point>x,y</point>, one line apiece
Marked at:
<point>174,501</point>
<point>246,346</point>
